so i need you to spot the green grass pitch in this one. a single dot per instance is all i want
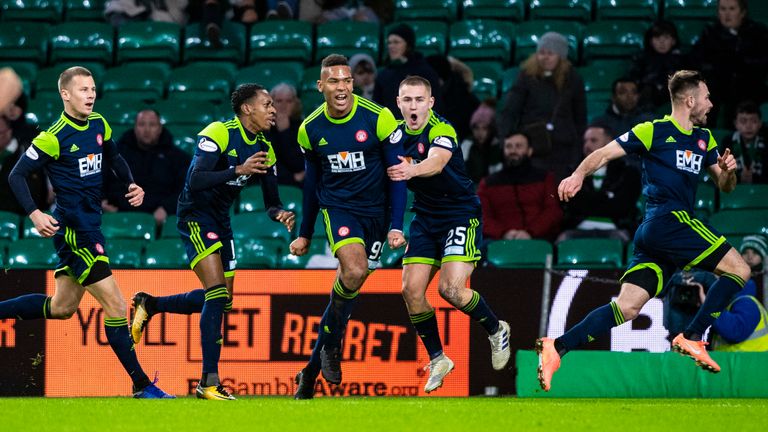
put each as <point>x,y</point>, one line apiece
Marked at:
<point>383,414</point>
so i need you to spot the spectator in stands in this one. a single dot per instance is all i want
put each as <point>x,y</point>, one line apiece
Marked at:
<point>456,85</point>
<point>403,60</point>
<point>519,202</point>
<point>11,149</point>
<point>364,73</point>
<point>155,162</point>
<point>748,144</point>
<point>684,295</point>
<point>732,55</point>
<point>283,9</point>
<point>661,57</point>
<point>290,161</point>
<point>10,87</point>
<point>16,113</point>
<point>482,153</point>
<point>548,103</point>
<point>606,204</point>
<point>118,12</point>
<point>322,11</point>
<point>624,113</point>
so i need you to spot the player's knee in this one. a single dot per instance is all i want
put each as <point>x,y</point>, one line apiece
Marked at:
<point>630,311</point>
<point>742,270</point>
<point>63,312</point>
<point>115,307</point>
<point>449,291</point>
<point>353,277</point>
<point>412,294</point>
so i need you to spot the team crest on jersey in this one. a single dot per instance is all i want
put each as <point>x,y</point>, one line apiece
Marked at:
<point>361,135</point>
<point>344,162</point>
<point>343,231</point>
<point>687,160</point>
<point>99,248</point>
<point>90,164</point>
<point>212,236</point>
<point>420,147</point>
<point>702,145</point>
<point>99,139</point>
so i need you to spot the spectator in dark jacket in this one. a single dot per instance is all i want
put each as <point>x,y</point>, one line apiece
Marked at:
<point>606,204</point>
<point>156,164</point>
<point>661,57</point>
<point>482,152</point>
<point>454,87</point>
<point>749,144</point>
<point>624,112</point>
<point>290,161</point>
<point>12,146</point>
<point>548,93</point>
<point>403,60</point>
<point>732,53</point>
<point>519,202</point>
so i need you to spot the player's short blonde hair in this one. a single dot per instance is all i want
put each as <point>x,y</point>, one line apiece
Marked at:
<point>66,77</point>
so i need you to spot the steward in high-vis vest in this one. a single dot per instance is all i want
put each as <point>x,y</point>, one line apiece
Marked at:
<point>743,325</point>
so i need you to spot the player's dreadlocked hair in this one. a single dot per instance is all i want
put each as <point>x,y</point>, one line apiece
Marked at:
<point>242,93</point>
<point>334,60</point>
<point>683,81</point>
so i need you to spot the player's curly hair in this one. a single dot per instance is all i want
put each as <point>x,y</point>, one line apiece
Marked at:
<point>242,93</point>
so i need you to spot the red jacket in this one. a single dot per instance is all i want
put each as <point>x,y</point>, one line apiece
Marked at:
<point>522,198</point>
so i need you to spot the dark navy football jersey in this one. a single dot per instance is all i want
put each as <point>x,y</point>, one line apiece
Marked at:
<point>450,192</point>
<point>673,159</point>
<point>75,171</point>
<point>350,155</point>
<point>231,143</point>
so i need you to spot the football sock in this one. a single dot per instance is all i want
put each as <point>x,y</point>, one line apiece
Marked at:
<point>210,379</point>
<point>341,305</point>
<point>479,311</point>
<point>426,327</point>
<point>595,324</point>
<point>120,340</point>
<point>313,366</point>
<point>187,303</point>
<point>210,327</point>
<point>26,307</point>
<point>717,299</point>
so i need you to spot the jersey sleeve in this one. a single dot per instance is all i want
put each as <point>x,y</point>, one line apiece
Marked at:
<point>712,153</point>
<point>638,139</point>
<point>385,124</point>
<point>107,128</point>
<point>214,137</point>
<point>271,156</point>
<point>443,135</point>
<point>47,143</point>
<point>303,138</point>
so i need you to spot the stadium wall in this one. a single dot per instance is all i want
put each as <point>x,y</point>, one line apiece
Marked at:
<point>269,334</point>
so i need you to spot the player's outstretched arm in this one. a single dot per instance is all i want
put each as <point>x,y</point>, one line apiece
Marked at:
<point>724,171</point>
<point>571,185</point>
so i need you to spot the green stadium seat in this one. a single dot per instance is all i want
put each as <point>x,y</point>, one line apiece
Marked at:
<point>482,40</point>
<point>291,262</point>
<point>44,111</point>
<point>200,81</point>
<point>125,254</point>
<point>28,230</point>
<point>320,235</point>
<point>675,10</point>
<point>628,9</point>
<point>185,136</point>
<point>596,106</point>
<point>591,253</point>
<point>24,41</point>
<point>745,196</point>
<point>508,78</point>
<point>10,225</point>
<point>487,76</point>
<point>3,252</point>
<point>148,41</point>
<point>165,254</point>
<point>528,33</point>
<point>507,10</point>
<point>128,225</point>
<point>84,10</point>
<point>258,225</point>
<point>292,198</point>
<point>580,10</point>
<point>308,82</point>
<point>233,40</point>
<point>32,254</point>
<point>174,113</point>
<point>598,80</point>
<point>613,39</point>
<point>688,32</point>
<point>431,36</point>
<point>137,82</point>
<point>75,41</point>
<point>251,199</point>
<point>705,199</point>
<point>119,112</point>
<point>280,40</point>
<point>519,253</point>
<point>32,10</point>
<point>740,222</point>
<point>270,74</point>
<point>168,228</point>
<point>258,253</point>
<point>310,101</point>
<point>446,10</point>
<point>391,258</point>
<point>47,82</point>
<point>347,38</point>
